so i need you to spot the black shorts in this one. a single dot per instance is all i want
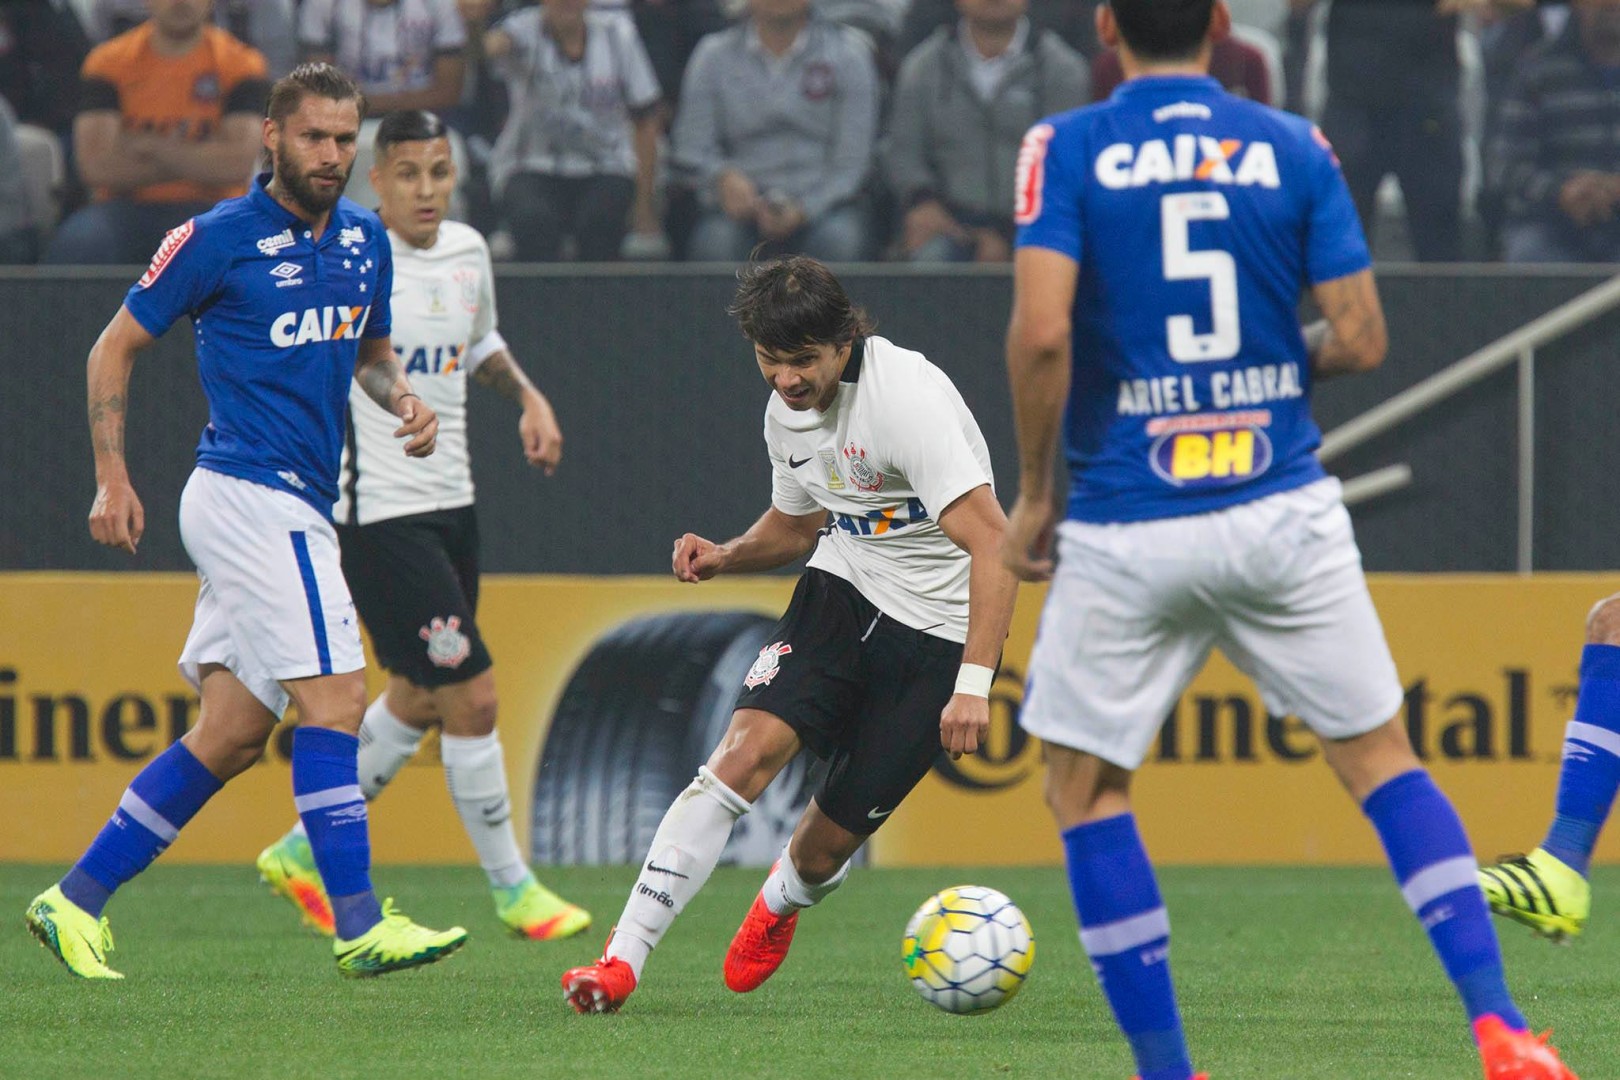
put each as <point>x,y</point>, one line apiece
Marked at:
<point>415,583</point>
<point>862,691</point>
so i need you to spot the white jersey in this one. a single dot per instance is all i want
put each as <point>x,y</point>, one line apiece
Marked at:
<point>897,447</point>
<point>388,49</point>
<point>444,327</point>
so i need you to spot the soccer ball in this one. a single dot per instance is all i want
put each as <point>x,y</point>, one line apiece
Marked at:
<point>968,949</point>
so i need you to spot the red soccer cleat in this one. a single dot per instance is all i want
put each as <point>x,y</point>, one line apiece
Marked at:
<point>759,948</point>
<point>602,987</point>
<point>1517,1055</point>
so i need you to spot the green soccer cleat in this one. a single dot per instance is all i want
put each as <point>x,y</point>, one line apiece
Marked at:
<point>395,944</point>
<point>288,867</point>
<point>530,910</point>
<point>1540,891</point>
<point>78,939</point>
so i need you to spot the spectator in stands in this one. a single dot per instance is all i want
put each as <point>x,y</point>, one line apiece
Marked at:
<point>1392,78</point>
<point>963,101</point>
<point>405,54</point>
<point>1239,66</point>
<point>775,134</point>
<point>267,25</point>
<point>671,29</point>
<point>579,154</point>
<point>41,49</point>
<point>169,123</point>
<point>1554,156</point>
<point>1072,20</point>
<point>19,233</point>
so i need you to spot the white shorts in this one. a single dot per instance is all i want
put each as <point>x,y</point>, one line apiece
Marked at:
<point>1134,610</point>
<point>273,603</point>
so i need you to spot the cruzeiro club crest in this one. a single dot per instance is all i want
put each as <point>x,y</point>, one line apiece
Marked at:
<point>766,664</point>
<point>861,471</point>
<point>447,646</point>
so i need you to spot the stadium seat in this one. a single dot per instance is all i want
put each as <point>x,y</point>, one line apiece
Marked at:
<point>44,171</point>
<point>361,191</point>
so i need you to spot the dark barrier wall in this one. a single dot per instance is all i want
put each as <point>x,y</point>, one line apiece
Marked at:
<point>661,406</point>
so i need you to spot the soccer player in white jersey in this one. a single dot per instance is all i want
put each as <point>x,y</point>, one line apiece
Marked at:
<point>1165,238</point>
<point>889,646</point>
<point>287,289</point>
<point>410,535</point>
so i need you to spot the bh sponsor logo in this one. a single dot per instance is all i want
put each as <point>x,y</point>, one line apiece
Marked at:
<point>1212,450</point>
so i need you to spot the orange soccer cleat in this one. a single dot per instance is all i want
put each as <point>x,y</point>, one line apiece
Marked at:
<point>602,987</point>
<point>759,948</point>
<point>1517,1055</point>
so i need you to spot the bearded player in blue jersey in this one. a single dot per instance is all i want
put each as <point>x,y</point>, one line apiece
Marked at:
<point>287,289</point>
<point>1165,238</point>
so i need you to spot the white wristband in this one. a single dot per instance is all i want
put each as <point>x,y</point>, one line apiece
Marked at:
<point>975,679</point>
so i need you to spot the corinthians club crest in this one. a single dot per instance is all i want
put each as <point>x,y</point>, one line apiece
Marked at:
<point>766,664</point>
<point>447,646</point>
<point>861,471</point>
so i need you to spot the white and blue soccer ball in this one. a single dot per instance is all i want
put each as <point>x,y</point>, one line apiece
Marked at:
<point>968,949</point>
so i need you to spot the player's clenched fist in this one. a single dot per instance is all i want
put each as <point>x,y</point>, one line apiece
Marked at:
<point>963,724</point>
<point>116,517</point>
<point>420,422</point>
<point>697,559</point>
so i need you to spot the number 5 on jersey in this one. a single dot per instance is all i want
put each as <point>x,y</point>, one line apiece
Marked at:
<point>1181,263</point>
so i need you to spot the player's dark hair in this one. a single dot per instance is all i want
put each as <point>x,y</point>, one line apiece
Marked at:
<point>311,80</point>
<point>1163,29</point>
<point>407,125</point>
<point>786,304</point>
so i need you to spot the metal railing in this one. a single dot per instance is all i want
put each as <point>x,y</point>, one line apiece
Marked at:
<point>1518,347</point>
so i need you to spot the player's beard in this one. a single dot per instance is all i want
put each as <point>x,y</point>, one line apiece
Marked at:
<point>297,184</point>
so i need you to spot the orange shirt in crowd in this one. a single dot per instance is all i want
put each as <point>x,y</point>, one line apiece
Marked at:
<point>188,95</point>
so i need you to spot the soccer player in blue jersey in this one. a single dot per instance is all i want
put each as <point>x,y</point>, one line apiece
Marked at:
<point>1165,238</point>
<point>287,289</point>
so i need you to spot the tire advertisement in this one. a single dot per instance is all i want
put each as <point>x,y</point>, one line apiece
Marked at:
<point>614,689</point>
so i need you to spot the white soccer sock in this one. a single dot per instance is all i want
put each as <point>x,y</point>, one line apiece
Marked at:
<point>786,892</point>
<point>386,744</point>
<point>475,770</point>
<point>683,854</point>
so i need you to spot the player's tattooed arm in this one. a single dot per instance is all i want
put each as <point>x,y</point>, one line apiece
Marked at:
<point>538,429</point>
<point>1352,336</point>
<point>116,518</point>
<point>379,374</point>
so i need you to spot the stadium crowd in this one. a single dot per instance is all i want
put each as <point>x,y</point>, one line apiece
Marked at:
<point>844,129</point>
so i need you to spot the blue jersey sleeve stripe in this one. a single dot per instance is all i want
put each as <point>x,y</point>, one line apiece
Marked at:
<point>312,596</point>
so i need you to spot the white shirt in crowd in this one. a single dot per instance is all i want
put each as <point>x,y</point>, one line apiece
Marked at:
<point>897,447</point>
<point>388,50</point>
<point>572,119</point>
<point>444,327</point>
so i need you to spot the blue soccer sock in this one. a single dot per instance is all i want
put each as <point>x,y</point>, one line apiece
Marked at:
<point>155,807</point>
<point>326,790</point>
<point>1435,866</point>
<point>1125,930</point>
<point>1590,776</point>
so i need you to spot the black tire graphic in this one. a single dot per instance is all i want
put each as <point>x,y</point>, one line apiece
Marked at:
<point>638,716</point>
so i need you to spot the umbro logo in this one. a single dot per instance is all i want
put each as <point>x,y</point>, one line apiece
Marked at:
<point>347,815</point>
<point>654,868</point>
<point>272,244</point>
<point>794,463</point>
<point>287,274</point>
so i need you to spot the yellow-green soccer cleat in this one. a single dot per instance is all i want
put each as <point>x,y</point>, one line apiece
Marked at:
<point>530,910</point>
<point>79,939</point>
<point>288,867</point>
<point>395,944</point>
<point>1540,891</point>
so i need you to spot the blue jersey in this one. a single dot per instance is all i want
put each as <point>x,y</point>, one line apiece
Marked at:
<point>278,315</point>
<point>1196,218</point>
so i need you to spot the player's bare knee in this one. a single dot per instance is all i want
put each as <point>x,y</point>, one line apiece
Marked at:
<point>1603,624</point>
<point>1367,762</point>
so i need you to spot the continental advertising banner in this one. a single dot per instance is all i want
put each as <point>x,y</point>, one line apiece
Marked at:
<point>613,689</point>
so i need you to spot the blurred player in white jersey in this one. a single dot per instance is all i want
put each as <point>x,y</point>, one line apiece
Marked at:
<point>410,535</point>
<point>1165,238</point>
<point>889,646</point>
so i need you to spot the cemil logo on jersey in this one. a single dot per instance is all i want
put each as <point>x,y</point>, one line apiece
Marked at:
<point>1213,450</point>
<point>1030,175</point>
<point>861,471</point>
<point>447,646</point>
<point>173,241</point>
<point>1122,166</point>
<point>766,664</point>
<point>341,323</point>
<point>272,244</point>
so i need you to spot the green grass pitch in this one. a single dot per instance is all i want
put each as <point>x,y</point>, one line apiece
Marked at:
<point>1284,974</point>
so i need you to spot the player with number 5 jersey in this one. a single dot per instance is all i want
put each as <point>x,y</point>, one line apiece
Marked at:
<point>1165,238</point>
